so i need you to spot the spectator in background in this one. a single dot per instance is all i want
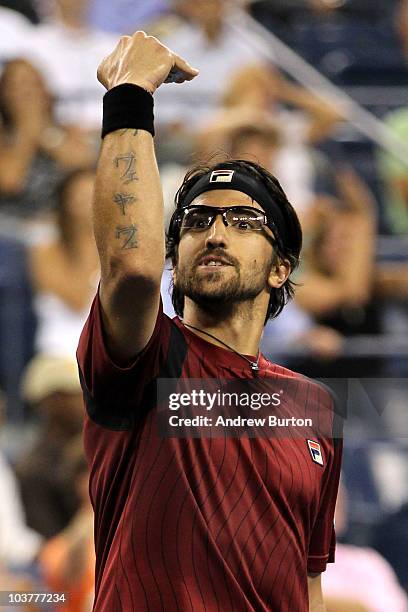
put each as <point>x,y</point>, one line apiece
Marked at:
<point>19,545</point>
<point>338,263</point>
<point>391,282</point>
<point>269,91</point>
<point>35,151</point>
<point>65,271</point>
<point>126,16</point>
<point>337,272</point>
<point>361,580</point>
<point>51,388</point>
<point>393,171</point>
<point>15,34</point>
<point>202,32</point>
<point>233,73</point>
<point>392,278</point>
<point>394,174</point>
<point>24,7</point>
<point>68,51</point>
<point>255,102</point>
<point>67,561</point>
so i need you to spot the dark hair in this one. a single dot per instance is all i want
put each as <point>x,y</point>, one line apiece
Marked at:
<point>289,250</point>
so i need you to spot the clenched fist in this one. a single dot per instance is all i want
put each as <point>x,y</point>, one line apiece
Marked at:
<point>143,60</point>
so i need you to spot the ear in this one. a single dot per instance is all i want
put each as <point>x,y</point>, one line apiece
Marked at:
<point>279,273</point>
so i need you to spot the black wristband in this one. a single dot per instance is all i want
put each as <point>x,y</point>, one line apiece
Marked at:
<point>127,106</point>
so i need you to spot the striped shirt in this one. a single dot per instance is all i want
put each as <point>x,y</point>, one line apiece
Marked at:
<point>201,523</point>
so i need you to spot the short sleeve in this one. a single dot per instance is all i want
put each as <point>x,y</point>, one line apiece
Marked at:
<point>323,538</point>
<point>116,396</point>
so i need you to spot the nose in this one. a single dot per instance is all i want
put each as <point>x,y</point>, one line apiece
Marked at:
<point>217,235</point>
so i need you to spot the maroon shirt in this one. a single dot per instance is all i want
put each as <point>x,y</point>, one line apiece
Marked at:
<point>224,524</point>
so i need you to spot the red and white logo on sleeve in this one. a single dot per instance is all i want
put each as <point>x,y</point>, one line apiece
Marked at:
<point>315,451</point>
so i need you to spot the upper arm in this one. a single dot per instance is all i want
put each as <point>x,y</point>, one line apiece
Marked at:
<point>116,394</point>
<point>129,311</point>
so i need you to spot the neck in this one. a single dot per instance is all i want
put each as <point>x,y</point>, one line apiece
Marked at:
<point>240,325</point>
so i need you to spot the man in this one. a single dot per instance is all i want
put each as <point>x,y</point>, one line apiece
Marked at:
<point>193,523</point>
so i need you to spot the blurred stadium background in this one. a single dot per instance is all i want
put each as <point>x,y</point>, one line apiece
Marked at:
<point>317,91</point>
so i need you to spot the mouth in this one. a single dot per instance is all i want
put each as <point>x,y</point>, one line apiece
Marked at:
<point>212,261</point>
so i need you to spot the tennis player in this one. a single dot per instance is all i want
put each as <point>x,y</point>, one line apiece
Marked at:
<point>225,523</point>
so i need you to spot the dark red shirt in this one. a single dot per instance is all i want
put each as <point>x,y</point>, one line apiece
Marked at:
<point>192,524</point>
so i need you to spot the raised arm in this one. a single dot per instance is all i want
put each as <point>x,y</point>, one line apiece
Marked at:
<point>128,206</point>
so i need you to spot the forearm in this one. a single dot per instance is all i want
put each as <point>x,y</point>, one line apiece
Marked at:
<point>128,207</point>
<point>129,232</point>
<point>128,203</point>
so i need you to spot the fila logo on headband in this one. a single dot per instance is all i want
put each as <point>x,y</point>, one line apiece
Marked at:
<point>316,453</point>
<point>221,176</point>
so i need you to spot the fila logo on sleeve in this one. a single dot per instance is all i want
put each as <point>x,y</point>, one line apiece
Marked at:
<point>221,176</point>
<point>315,452</point>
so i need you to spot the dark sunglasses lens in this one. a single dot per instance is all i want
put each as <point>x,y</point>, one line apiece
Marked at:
<point>196,219</point>
<point>245,219</point>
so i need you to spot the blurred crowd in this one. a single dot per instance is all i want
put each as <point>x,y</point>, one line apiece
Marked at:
<point>349,318</point>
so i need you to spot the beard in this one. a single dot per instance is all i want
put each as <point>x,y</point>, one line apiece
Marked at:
<point>219,288</point>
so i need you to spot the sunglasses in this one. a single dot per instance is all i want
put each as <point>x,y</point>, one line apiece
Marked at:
<point>243,219</point>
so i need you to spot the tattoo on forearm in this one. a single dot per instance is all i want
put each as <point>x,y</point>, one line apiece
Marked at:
<point>123,200</point>
<point>129,174</point>
<point>129,234</point>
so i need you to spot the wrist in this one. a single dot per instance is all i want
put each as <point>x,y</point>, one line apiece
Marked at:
<point>127,106</point>
<point>137,81</point>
